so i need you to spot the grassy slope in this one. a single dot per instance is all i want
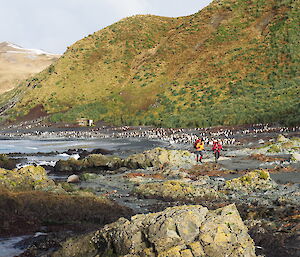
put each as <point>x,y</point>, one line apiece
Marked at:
<point>18,64</point>
<point>231,63</point>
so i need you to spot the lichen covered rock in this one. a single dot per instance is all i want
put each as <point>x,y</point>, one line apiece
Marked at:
<point>159,157</point>
<point>283,145</point>
<point>28,178</point>
<point>178,190</point>
<point>178,231</point>
<point>70,165</point>
<point>252,181</point>
<point>108,162</point>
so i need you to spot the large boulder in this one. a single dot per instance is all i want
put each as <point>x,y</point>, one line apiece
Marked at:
<point>28,178</point>
<point>107,162</point>
<point>70,165</point>
<point>177,231</point>
<point>160,157</point>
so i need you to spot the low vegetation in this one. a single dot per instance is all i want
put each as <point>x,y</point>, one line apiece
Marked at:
<point>233,62</point>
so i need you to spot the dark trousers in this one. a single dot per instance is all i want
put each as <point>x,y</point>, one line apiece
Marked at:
<point>217,155</point>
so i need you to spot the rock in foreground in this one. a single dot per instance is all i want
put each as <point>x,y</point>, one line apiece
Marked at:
<point>178,231</point>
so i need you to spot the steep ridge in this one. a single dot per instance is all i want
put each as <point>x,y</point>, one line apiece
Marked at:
<point>17,64</point>
<point>233,62</point>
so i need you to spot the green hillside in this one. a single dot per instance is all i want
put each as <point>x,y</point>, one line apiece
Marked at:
<point>233,62</point>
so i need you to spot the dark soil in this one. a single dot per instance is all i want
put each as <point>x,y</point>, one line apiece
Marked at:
<point>34,114</point>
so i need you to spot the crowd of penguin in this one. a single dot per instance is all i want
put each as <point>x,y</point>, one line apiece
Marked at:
<point>226,136</point>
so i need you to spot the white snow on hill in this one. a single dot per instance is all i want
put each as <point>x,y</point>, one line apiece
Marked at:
<point>19,49</point>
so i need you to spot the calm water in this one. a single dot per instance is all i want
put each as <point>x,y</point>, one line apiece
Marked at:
<point>121,147</point>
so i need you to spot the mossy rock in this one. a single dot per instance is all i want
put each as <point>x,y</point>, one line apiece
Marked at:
<point>28,178</point>
<point>274,149</point>
<point>252,181</point>
<point>70,165</point>
<point>160,157</point>
<point>282,138</point>
<point>88,176</point>
<point>176,190</point>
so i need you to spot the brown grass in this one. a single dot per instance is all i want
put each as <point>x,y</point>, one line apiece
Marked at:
<point>26,211</point>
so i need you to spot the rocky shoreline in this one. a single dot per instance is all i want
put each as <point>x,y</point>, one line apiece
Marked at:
<point>108,186</point>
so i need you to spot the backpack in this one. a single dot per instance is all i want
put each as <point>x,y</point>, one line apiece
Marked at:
<point>196,142</point>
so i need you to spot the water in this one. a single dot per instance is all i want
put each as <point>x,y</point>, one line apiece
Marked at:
<point>121,147</point>
<point>8,246</point>
<point>35,146</point>
<point>31,149</point>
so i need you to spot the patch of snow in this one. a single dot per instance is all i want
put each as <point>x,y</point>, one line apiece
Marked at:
<point>24,50</point>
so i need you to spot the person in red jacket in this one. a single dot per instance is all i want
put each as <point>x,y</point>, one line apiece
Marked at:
<point>217,147</point>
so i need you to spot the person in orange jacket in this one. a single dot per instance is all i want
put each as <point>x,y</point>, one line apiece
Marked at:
<point>199,145</point>
<point>217,147</point>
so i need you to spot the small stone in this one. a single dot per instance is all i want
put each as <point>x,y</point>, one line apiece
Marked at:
<point>73,179</point>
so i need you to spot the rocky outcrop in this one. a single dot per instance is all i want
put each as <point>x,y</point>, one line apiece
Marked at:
<point>282,145</point>
<point>70,165</point>
<point>178,231</point>
<point>99,161</point>
<point>28,178</point>
<point>179,190</point>
<point>103,161</point>
<point>157,157</point>
<point>160,157</point>
<point>253,181</point>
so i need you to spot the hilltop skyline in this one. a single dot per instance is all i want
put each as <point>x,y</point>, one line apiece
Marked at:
<point>53,26</point>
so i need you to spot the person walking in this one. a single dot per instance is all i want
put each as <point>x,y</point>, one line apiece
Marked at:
<point>217,147</point>
<point>199,145</point>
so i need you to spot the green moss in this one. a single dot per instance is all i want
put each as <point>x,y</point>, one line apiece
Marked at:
<point>68,187</point>
<point>88,176</point>
<point>274,149</point>
<point>264,174</point>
